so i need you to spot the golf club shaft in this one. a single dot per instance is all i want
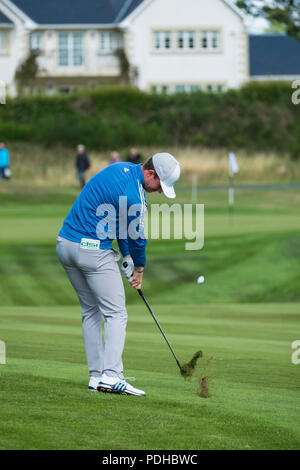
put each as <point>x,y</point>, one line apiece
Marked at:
<point>160,328</point>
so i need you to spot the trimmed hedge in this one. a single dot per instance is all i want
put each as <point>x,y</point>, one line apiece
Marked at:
<point>258,116</point>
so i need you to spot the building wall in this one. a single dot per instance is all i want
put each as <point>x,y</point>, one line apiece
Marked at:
<point>10,60</point>
<point>96,64</point>
<point>229,66</point>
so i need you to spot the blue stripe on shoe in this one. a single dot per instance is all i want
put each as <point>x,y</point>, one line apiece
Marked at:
<point>119,386</point>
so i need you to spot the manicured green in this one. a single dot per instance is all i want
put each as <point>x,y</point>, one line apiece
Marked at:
<point>245,317</point>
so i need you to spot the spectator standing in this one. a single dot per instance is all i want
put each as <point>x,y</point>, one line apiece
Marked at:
<point>4,162</point>
<point>82,164</point>
<point>134,156</point>
<point>114,158</point>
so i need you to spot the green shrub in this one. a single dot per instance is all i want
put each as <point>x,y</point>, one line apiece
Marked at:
<point>258,116</point>
<point>14,131</point>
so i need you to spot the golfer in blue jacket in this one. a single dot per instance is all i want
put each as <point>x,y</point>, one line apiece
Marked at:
<point>4,161</point>
<point>112,205</point>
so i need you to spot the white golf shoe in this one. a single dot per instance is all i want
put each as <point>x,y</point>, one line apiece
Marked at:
<point>117,385</point>
<point>93,383</point>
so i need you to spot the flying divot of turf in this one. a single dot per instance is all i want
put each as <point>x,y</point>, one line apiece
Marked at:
<point>203,380</point>
<point>203,387</point>
<point>188,369</point>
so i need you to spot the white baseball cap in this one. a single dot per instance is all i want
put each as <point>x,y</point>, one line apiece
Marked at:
<point>168,171</point>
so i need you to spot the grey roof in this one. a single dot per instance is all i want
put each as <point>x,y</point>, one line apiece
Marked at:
<point>274,54</point>
<point>76,11</point>
<point>133,4</point>
<point>4,19</point>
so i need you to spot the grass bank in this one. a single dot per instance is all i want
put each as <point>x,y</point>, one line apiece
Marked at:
<point>34,165</point>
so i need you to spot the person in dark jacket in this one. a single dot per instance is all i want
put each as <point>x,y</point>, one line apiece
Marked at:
<point>82,164</point>
<point>134,156</point>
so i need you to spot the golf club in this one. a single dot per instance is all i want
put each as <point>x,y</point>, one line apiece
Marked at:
<point>161,330</point>
<point>187,369</point>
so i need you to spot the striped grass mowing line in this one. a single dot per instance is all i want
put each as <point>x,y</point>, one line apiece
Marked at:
<point>32,275</point>
<point>236,269</point>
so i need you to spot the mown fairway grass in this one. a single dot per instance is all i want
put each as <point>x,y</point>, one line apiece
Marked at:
<point>245,317</point>
<point>255,389</point>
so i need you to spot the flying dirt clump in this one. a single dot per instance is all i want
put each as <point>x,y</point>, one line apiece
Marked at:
<point>204,379</point>
<point>203,387</point>
<point>188,369</point>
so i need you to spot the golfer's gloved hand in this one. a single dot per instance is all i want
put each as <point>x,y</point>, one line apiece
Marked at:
<point>127,267</point>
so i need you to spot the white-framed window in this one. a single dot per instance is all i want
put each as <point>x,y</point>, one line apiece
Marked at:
<point>63,49</point>
<point>162,40</point>
<point>186,39</point>
<point>210,40</point>
<point>180,89</point>
<point>109,41</point>
<point>161,88</point>
<point>50,89</point>
<point>35,41</point>
<point>3,42</point>
<point>70,49</point>
<point>215,87</point>
<point>66,89</point>
<point>186,88</point>
<point>77,49</point>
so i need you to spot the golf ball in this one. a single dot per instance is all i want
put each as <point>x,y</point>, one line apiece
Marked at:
<point>200,280</point>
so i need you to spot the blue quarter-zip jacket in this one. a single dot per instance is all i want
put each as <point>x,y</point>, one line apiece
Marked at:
<point>99,214</point>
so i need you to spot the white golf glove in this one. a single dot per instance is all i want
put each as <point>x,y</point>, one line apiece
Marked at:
<point>127,267</point>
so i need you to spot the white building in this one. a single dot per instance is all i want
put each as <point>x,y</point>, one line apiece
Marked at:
<point>171,45</point>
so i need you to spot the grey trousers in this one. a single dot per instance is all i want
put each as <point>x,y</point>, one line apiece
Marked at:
<point>96,278</point>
